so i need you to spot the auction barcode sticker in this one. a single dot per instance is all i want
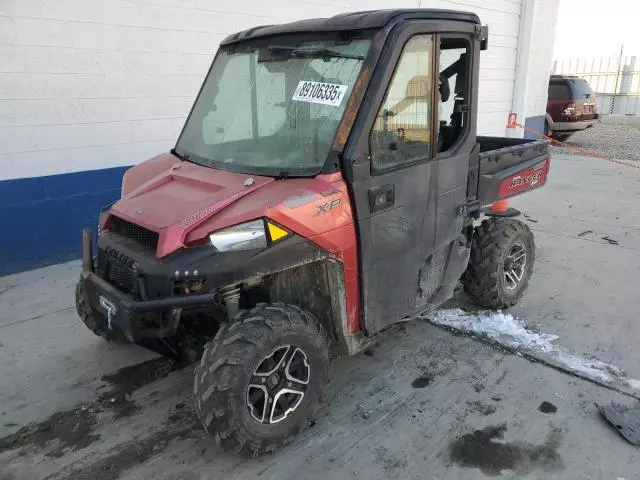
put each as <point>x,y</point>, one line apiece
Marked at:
<point>317,92</point>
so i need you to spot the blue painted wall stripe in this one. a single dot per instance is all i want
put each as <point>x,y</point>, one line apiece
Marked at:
<point>42,217</point>
<point>534,123</point>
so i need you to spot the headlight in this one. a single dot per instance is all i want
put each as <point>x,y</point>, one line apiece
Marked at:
<point>248,236</point>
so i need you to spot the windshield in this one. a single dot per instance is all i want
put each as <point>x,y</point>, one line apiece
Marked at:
<point>273,109</point>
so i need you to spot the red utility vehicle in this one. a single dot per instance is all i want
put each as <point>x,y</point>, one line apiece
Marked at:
<point>325,186</point>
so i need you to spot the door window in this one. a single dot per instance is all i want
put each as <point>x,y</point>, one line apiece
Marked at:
<point>402,131</point>
<point>453,95</point>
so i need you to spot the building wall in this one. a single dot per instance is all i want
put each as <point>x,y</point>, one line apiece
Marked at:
<point>539,64</point>
<point>90,87</point>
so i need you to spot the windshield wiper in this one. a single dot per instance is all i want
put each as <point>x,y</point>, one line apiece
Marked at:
<point>306,52</point>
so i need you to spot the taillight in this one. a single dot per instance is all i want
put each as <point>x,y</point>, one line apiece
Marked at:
<point>525,180</point>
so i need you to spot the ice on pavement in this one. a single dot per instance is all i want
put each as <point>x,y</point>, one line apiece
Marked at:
<point>498,326</point>
<point>507,331</point>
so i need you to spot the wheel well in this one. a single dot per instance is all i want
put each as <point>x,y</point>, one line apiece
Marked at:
<point>307,286</point>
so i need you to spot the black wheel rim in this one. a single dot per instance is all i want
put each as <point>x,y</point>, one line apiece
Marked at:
<point>278,384</point>
<point>514,266</point>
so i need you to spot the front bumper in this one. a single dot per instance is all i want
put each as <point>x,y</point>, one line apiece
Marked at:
<point>128,314</point>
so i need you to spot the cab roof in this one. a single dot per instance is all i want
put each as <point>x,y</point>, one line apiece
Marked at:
<point>371,19</point>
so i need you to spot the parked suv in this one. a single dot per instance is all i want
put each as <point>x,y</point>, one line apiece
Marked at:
<point>571,106</point>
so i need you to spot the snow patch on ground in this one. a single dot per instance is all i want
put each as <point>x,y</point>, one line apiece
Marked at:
<point>498,326</point>
<point>506,330</point>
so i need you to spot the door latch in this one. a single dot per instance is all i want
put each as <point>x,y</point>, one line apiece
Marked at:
<point>381,197</point>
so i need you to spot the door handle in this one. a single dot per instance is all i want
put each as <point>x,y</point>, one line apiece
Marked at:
<point>381,197</point>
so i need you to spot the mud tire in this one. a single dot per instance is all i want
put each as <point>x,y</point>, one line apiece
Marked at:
<point>93,320</point>
<point>484,279</point>
<point>222,378</point>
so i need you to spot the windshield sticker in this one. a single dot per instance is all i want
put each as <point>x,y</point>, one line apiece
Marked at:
<point>317,92</point>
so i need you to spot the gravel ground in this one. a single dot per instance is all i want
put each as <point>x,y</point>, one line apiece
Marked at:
<point>621,142</point>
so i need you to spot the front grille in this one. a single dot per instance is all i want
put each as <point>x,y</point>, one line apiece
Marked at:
<point>122,276</point>
<point>138,234</point>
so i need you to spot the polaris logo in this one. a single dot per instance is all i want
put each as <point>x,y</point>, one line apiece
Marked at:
<point>118,257</point>
<point>205,212</point>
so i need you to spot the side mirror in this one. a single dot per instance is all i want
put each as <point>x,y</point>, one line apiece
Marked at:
<point>483,36</point>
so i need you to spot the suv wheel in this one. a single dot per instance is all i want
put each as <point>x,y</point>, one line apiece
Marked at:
<point>561,137</point>
<point>262,378</point>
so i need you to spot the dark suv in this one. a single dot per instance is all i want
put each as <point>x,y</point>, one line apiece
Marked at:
<point>571,106</point>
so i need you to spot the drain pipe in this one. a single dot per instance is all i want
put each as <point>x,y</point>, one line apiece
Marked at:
<point>521,84</point>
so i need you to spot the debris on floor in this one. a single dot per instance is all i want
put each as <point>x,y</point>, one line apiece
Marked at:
<point>625,419</point>
<point>610,240</point>
<point>481,408</point>
<point>586,232</point>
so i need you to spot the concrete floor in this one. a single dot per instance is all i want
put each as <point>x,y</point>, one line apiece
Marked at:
<point>106,412</point>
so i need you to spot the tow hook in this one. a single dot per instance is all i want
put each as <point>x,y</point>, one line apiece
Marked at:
<point>110,309</point>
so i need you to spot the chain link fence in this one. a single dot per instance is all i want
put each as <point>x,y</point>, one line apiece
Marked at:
<point>615,81</point>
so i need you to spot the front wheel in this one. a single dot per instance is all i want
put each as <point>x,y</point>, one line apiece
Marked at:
<point>500,264</point>
<point>262,378</point>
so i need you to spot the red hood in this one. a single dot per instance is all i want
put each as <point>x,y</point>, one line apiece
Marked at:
<point>182,191</point>
<point>184,202</point>
<point>181,196</point>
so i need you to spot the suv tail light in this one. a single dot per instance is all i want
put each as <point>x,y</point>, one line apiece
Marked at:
<point>527,179</point>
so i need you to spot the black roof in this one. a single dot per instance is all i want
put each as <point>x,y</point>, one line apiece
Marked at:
<point>351,21</point>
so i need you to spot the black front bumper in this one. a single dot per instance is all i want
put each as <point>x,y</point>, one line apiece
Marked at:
<point>126,313</point>
<point>156,295</point>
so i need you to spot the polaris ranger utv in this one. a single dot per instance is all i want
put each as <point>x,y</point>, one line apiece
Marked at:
<point>325,185</point>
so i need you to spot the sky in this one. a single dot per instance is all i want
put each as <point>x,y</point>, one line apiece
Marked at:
<point>589,28</point>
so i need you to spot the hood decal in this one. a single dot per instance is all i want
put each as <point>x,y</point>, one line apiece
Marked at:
<point>205,212</point>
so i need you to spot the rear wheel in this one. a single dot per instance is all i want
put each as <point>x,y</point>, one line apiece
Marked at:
<point>262,378</point>
<point>93,320</point>
<point>500,264</point>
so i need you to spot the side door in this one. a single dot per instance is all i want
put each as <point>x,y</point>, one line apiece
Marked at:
<point>458,75</point>
<point>393,186</point>
<point>405,225</point>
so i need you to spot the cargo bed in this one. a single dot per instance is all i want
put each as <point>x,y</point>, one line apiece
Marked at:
<point>505,167</point>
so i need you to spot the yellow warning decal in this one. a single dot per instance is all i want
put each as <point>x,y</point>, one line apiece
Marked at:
<point>276,232</point>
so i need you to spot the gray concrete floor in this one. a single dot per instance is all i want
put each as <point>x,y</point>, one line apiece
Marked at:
<point>106,412</point>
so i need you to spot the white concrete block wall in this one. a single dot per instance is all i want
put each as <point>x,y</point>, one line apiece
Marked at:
<point>90,84</point>
<point>540,56</point>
